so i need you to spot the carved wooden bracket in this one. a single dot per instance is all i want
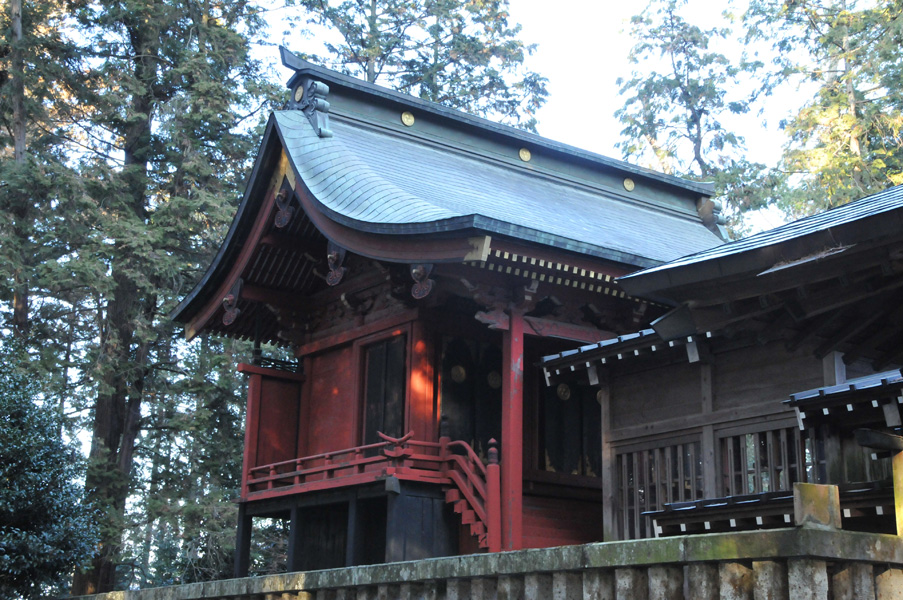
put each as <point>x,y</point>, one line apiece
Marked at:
<point>335,256</point>
<point>230,303</point>
<point>285,210</point>
<point>496,319</point>
<point>356,303</point>
<point>423,285</point>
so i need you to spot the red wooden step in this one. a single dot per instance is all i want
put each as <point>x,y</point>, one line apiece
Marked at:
<point>452,495</point>
<point>477,529</point>
<point>461,506</point>
<point>468,517</point>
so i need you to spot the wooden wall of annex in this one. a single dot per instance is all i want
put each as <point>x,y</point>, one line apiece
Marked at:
<point>678,431</point>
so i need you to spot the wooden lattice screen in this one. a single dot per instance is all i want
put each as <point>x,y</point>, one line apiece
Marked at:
<point>650,478</point>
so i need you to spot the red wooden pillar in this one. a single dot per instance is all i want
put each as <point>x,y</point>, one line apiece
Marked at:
<point>252,414</point>
<point>512,462</point>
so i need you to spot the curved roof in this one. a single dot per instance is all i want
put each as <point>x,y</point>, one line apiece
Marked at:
<point>418,194</point>
<point>388,183</point>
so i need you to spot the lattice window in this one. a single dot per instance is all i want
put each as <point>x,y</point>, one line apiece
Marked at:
<point>770,461</point>
<point>648,479</point>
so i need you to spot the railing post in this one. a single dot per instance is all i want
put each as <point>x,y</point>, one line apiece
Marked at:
<point>443,454</point>
<point>494,499</point>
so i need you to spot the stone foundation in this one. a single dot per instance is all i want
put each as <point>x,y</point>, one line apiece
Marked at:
<point>798,563</point>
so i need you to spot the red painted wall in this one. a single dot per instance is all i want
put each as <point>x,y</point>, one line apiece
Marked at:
<point>277,436</point>
<point>552,522</point>
<point>332,414</point>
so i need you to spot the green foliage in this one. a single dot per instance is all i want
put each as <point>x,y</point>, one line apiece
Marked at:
<point>45,529</point>
<point>846,142</point>
<point>673,108</point>
<point>464,55</point>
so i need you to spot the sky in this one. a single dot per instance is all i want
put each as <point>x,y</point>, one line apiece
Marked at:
<point>582,47</point>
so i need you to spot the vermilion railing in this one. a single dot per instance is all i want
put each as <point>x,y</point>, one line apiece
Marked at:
<point>452,464</point>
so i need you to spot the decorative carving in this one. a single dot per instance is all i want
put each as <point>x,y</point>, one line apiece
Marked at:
<point>493,452</point>
<point>230,303</point>
<point>423,285</point>
<point>285,210</point>
<point>458,374</point>
<point>494,379</point>
<point>357,303</point>
<point>710,212</point>
<point>335,256</point>
<point>315,107</point>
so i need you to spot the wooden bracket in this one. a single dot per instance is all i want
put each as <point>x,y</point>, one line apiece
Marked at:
<point>496,319</point>
<point>284,209</point>
<point>335,256</point>
<point>357,304</point>
<point>423,285</point>
<point>230,303</point>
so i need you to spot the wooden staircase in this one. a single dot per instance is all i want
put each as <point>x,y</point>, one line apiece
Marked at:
<point>474,491</point>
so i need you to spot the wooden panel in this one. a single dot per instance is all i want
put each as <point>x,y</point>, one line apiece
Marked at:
<point>488,400</point>
<point>322,537</point>
<point>762,374</point>
<point>369,524</point>
<point>648,396</point>
<point>332,402</point>
<point>277,434</point>
<point>420,525</point>
<point>457,384</point>
<point>422,418</point>
<point>385,387</point>
<point>552,522</point>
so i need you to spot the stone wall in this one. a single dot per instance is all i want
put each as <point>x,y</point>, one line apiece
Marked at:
<point>799,563</point>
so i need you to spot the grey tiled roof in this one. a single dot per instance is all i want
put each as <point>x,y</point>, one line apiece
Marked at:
<point>868,387</point>
<point>384,182</point>
<point>881,203</point>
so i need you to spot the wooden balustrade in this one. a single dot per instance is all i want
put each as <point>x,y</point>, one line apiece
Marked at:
<point>470,485</point>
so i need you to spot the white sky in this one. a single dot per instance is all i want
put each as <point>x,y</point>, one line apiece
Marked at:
<point>582,48</point>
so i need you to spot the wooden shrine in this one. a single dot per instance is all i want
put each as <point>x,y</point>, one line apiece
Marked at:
<point>777,362</point>
<point>419,263</point>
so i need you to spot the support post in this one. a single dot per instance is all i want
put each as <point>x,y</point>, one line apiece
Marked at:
<point>494,501</point>
<point>242,542</point>
<point>897,473</point>
<point>352,543</point>
<point>512,467</point>
<point>294,559</point>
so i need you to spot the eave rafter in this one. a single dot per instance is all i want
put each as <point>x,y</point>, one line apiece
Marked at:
<point>260,227</point>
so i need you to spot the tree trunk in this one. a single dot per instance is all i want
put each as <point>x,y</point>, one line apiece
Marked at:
<point>117,410</point>
<point>373,45</point>
<point>21,210</point>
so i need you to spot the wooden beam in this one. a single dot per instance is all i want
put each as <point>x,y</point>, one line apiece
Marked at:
<point>273,297</point>
<point>295,245</point>
<point>878,440</point>
<point>811,329</point>
<point>857,324</point>
<point>871,343</point>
